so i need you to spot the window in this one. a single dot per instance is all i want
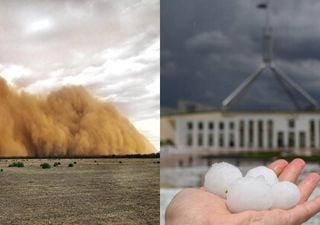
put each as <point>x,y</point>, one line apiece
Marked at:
<point>200,139</point>
<point>270,133</point>
<point>210,140</point>
<point>291,123</point>
<point>241,133</point>
<point>221,140</point>
<point>251,133</point>
<point>260,133</point>
<point>312,133</point>
<point>231,140</point>
<point>200,125</point>
<point>190,126</point>
<point>189,140</point>
<point>221,125</point>
<point>211,126</point>
<point>280,139</point>
<point>302,139</point>
<point>291,140</point>
<point>231,125</point>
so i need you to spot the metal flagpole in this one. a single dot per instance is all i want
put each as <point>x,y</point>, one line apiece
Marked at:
<point>284,80</point>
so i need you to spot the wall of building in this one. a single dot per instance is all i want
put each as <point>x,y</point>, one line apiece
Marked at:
<point>225,131</point>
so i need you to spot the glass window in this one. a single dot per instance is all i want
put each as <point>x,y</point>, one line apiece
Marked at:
<point>241,133</point>
<point>190,125</point>
<point>270,133</point>
<point>200,125</point>
<point>200,139</point>
<point>280,139</point>
<point>291,123</point>
<point>211,126</point>
<point>260,133</point>
<point>312,133</point>
<point>189,140</point>
<point>221,140</point>
<point>291,140</point>
<point>302,139</point>
<point>221,125</point>
<point>210,140</point>
<point>231,125</point>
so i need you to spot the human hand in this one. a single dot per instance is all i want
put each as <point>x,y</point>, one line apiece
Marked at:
<point>194,206</point>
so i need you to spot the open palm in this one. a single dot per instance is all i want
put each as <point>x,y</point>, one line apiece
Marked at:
<point>198,207</point>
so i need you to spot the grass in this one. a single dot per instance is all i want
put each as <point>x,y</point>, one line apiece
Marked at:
<point>282,155</point>
<point>45,165</point>
<point>16,164</point>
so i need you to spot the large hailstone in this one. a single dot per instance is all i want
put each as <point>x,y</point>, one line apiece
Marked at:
<point>219,177</point>
<point>249,193</point>
<point>268,174</point>
<point>285,195</point>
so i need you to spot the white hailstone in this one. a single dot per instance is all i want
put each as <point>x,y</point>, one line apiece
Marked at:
<point>268,174</point>
<point>285,195</point>
<point>249,193</point>
<point>219,177</point>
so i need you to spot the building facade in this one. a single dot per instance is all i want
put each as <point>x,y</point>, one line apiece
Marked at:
<point>248,131</point>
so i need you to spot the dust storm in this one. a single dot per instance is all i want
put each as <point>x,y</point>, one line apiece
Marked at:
<point>66,122</point>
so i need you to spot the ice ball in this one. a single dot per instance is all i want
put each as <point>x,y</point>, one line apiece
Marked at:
<point>219,177</point>
<point>249,193</point>
<point>285,195</point>
<point>268,174</point>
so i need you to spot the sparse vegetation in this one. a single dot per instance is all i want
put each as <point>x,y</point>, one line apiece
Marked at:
<point>45,165</point>
<point>70,165</point>
<point>1,170</point>
<point>74,162</point>
<point>16,164</point>
<point>56,164</point>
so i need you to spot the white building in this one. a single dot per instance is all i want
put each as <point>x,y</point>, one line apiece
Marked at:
<point>248,131</point>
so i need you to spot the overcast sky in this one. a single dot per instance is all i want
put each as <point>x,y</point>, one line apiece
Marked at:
<point>110,47</point>
<point>208,47</point>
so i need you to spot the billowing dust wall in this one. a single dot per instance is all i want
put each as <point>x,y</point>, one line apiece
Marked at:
<point>67,122</point>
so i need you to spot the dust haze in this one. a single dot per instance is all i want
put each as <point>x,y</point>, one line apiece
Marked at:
<point>67,122</point>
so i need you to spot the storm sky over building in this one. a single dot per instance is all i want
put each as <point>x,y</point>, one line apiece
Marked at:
<point>109,47</point>
<point>209,47</point>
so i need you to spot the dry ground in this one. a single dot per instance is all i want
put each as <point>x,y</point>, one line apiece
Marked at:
<point>90,193</point>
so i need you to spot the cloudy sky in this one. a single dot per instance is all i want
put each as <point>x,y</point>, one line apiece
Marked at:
<point>208,47</point>
<point>110,47</point>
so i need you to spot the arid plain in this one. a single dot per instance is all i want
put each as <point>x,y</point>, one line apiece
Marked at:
<point>92,191</point>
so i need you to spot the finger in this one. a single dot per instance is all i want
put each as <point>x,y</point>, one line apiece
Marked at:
<point>292,171</point>
<point>307,185</point>
<point>305,211</point>
<point>278,166</point>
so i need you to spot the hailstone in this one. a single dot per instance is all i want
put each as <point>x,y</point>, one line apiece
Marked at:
<point>265,172</point>
<point>285,195</point>
<point>249,193</point>
<point>219,177</point>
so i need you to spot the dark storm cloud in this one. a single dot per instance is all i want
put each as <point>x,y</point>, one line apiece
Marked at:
<point>209,47</point>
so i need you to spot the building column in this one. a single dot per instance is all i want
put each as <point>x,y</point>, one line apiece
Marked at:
<point>195,134</point>
<point>246,133</point>
<point>216,132</point>
<point>236,134</point>
<point>205,133</point>
<point>226,133</point>
<point>255,134</point>
<point>265,140</point>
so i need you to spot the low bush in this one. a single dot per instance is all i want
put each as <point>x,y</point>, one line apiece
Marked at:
<point>16,164</point>
<point>45,165</point>
<point>70,165</point>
